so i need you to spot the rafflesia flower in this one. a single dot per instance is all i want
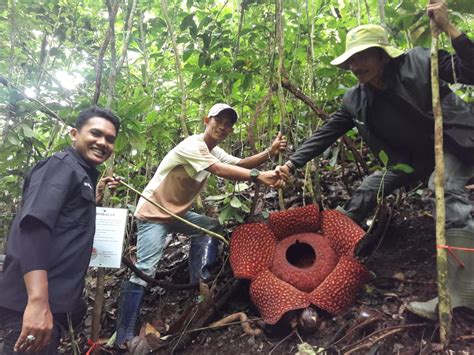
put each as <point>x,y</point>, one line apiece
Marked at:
<point>300,257</point>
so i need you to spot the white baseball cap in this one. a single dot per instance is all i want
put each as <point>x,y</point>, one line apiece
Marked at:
<point>218,108</point>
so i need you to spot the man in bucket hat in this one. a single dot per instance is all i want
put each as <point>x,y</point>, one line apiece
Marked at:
<point>180,177</point>
<point>392,110</point>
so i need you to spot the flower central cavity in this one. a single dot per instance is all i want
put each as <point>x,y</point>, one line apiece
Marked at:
<point>301,255</point>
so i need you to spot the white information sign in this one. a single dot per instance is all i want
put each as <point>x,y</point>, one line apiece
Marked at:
<point>110,226</point>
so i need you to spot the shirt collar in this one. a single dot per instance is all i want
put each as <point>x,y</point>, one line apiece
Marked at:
<point>91,170</point>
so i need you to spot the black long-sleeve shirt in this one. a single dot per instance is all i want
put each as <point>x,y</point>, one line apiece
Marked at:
<point>461,63</point>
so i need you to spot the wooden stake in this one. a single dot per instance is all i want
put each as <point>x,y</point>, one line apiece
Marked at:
<point>444,304</point>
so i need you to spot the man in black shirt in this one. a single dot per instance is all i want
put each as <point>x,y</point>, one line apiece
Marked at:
<point>50,242</point>
<point>392,110</point>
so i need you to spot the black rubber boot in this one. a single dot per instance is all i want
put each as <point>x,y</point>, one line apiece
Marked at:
<point>202,256</point>
<point>131,296</point>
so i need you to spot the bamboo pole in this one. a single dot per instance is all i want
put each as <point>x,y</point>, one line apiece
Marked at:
<point>444,304</point>
<point>280,42</point>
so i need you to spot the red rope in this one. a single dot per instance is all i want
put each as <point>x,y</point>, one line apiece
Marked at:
<point>92,345</point>
<point>451,252</point>
<point>454,248</point>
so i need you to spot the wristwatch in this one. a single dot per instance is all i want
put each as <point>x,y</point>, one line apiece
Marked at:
<point>291,166</point>
<point>254,173</point>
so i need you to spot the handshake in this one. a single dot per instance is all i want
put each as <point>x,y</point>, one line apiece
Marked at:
<point>275,178</point>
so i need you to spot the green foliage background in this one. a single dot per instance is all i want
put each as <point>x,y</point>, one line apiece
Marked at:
<point>227,53</point>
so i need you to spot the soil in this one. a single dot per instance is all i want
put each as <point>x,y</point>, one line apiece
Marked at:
<point>403,267</point>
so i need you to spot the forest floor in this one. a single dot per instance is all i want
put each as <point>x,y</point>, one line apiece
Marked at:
<point>403,268</point>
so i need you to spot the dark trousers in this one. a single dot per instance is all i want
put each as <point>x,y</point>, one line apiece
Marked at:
<point>379,184</point>
<point>11,322</point>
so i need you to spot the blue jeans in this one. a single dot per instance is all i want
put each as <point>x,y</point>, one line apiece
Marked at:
<point>152,236</point>
<point>456,176</point>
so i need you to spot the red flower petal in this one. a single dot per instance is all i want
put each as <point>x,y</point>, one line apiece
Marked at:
<point>251,249</point>
<point>299,220</point>
<point>274,297</point>
<point>304,260</point>
<point>338,291</point>
<point>342,232</point>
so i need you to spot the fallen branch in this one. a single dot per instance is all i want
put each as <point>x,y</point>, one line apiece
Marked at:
<point>357,327</point>
<point>204,312</point>
<point>211,327</point>
<point>243,321</point>
<point>370,340</point>
<point>289,336</point>
<point>152,281</point>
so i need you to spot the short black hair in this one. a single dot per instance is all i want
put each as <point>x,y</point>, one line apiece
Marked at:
<point>95,111</point>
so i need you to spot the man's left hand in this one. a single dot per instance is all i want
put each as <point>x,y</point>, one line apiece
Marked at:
<point>279,145</point>
<point>111,182</point>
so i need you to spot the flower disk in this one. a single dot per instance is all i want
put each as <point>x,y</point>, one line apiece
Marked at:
<point>304,260</point>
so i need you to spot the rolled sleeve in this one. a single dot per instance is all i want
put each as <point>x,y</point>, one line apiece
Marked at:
<point>35,244</point>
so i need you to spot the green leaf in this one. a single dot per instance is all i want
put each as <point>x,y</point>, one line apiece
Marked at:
<point>137,141</point>
<point>383,158</point>
<point>216,197</point>
<point>27,131</point>
<point>13,139</point>
<point>245,208</point>
<point>403,167</point>
<point>226,214</point>
<point>152,117</point>
<point>241,186</point>
<point>235,202</point>
<point>187,21</point>
<point>187,53</point>
<point>205,21</point>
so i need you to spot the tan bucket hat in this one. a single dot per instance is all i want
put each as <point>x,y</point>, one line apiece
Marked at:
<point>363,37</point>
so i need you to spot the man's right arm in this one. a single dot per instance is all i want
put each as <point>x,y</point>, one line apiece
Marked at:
<point>341,121</point>
<point>37,317</point>
<point>270,178</point>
